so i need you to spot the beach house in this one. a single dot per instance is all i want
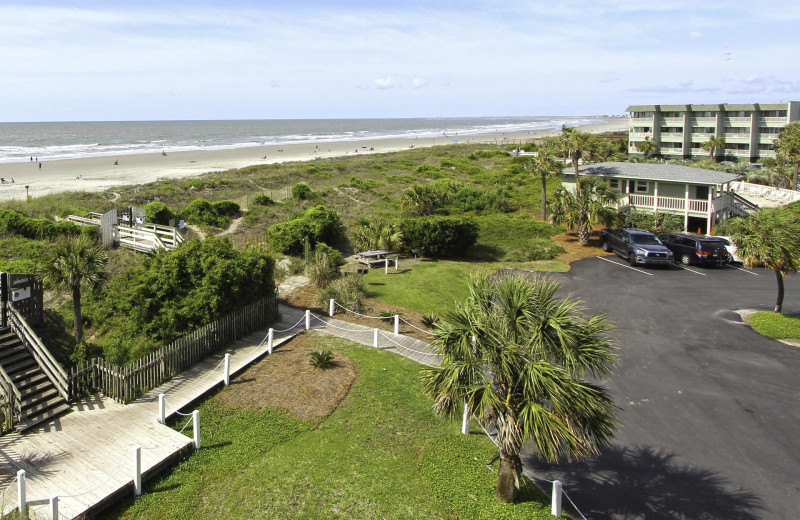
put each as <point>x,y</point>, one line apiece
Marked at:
<point>749,130</point>
<point>702,197</point>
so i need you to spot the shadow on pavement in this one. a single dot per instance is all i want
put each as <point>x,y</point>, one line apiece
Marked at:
<point>649,484</point>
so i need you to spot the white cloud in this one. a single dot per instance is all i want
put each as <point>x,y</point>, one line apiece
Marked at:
<point>695,35</point>
<point>419,82</point>
<point>384,83</point>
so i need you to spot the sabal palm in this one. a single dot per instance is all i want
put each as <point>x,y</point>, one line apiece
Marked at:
<point>518,356</point>
<point>714,144</point>
<point>377,234</point>
<point>75,263</point>
<point>586,208</point>
<point>545,164</point>
<point>648,147</point>
<point>769,238</point>
<point>580,145</point>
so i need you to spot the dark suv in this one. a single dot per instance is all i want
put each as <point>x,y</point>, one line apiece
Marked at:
<point>638,247</point>
<point>695,249</point>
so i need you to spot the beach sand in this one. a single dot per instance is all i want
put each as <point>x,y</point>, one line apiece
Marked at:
<point>101,173</point>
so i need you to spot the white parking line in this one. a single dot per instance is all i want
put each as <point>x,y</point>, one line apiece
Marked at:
<point>745,270</point>
<point>623,265</point>
<point>690,270</point>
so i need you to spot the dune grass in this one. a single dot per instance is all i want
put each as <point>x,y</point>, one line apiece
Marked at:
<point>776,325</point>
<point>381,454</point>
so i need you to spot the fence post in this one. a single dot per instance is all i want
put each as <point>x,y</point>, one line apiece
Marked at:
<point>308,319</point>
<point>330,311</point>
<point>162,408</point>
<point>465,420</point>
<point>396,261</point>
<point>555,507</point>
<point>22,500</point>
<point>386,266</point>
<point>397,324</point>
<point>227,369</point>
<point>196,428</point>
<point>54,507</point>
<point>137,471</point>
<point>375,338</point>
<point>269,340</point>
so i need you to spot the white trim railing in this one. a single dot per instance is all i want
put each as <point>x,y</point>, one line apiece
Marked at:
<point>664,203</point>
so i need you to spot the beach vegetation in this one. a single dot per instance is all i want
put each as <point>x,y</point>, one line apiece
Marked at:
<point>543,165</point>
<point>263,200</point>
<point>519,358</point>
<point>301,191</point>
<point>204,214</point>
<point>318,224</point>
<point>655,222</point>
<point>648,148</point>
<point>322,270</point>
<point>13,223</point>
<point>788,145</point>
<point>439,236</point>
<point>585,209</point>
<point>158,213</point>
<point>74,264</point>
<point>349,291</point>
<point>374,234</point>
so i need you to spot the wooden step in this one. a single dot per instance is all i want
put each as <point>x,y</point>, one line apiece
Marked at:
<point>11,358</point>
<point>34,400</point>
<point>43,416</point>
<point>23,370</point>
<point>41,406</point>
<point>36,380</point>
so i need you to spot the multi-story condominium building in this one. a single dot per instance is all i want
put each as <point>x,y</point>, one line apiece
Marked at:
<point>749,130</point>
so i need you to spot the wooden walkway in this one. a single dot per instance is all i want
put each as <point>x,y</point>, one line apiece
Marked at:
<point>86,457</point>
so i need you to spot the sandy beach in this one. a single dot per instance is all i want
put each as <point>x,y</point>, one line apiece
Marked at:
<point>103,173</point>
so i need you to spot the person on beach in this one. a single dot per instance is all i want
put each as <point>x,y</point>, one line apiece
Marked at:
<point>40,166</point>
<point>116,163</point>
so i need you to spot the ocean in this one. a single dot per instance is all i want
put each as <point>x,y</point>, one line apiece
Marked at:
<point>69,140</point>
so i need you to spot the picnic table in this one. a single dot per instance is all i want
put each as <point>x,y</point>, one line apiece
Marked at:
<point>377,258</point>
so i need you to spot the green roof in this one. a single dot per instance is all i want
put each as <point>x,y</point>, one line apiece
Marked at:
<point>641,108</point>
<point>744,106</point>
<point>674,108</point>
<point>704,108</point>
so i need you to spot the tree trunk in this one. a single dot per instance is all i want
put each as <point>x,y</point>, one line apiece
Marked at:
<point>509,477</point>
<point>583,230</point>
<point>575,165</point>
<point>76,310</point>
<point>794,180</point>
<point>779,302</point>
<point>544,198</point>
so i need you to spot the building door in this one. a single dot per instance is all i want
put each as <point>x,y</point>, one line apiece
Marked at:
<point>697,225</point>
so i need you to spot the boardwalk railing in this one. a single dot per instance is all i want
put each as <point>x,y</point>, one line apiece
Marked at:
<point>128,382</point>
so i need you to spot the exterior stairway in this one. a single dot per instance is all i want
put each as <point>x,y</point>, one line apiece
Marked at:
<point>40,398</point>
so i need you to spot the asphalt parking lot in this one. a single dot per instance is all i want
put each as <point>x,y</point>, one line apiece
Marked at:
<point>709,413</point>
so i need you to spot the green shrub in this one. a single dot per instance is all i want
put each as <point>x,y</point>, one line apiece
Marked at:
<point>301,191</point>
<point>263,200</point>
<point>348,291</point>
<point>203,213</point>
<point>439,237</point>
<point>13,223</point>
<point>318,223</point>
<point>776,325</point>
<point>364,184</point>
<point>225,208</point>
<point>158,213</point>
<point>322,358</point>
<point>334,255</point>
<point>656,223</point>
<point>322,272</point>
<point>429,320</point>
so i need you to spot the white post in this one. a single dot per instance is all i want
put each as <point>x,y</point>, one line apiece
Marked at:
<point>308,319</point>
<point>196,426</point>
<point>465,420</point>
<point>137,471</point>
<point>330,309</point>
<point>227,369</point>
<point>269,340</point>
<point>375,338</point>
<point>162,408</point>
<point>22,500</point>
<point>396,261</point>
<point>397,324</point>
<point>386,266</point>
<point>54,508</point>
<point>555,507</point>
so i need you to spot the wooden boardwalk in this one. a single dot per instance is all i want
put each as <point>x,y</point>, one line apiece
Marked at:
<point>86,457</point>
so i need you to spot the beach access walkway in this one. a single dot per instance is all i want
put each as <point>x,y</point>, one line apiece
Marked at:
<point>86,457</point>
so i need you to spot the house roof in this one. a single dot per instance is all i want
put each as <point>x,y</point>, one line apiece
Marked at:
<point>655,172</point>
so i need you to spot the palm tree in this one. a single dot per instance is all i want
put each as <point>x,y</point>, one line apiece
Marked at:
<point>423,199</point>
<point>376,234</point>
<point>545,164</point>
<point>648,147</point>
<point>580,145</point>
<point>769,238</point>
<point>713,145</point>
<point>788,145</point>
<point>517,356</point>
<point>75,263</point>
<point>586,208</point>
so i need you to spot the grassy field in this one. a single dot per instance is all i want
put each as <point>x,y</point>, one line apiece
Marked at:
<point>381,454</point>
<point>775,325</point>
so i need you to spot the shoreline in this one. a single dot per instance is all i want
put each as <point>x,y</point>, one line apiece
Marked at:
<point>101,173</point>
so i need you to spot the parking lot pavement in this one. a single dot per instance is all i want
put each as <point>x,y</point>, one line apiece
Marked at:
<point>709,415</point>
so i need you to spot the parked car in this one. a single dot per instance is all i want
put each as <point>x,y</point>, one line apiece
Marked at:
<point>731,247</point>
<point>637,247</point>
<point>696,249</point>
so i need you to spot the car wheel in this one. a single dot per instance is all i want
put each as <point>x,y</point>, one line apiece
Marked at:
<point>632,259</point>
<point>606,246</point>
<point>685,259</point>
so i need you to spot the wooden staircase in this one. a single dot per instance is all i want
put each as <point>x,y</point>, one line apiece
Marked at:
<point>39,399</point>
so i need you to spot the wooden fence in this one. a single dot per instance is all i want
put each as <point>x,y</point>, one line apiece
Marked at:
<point>126,383</point>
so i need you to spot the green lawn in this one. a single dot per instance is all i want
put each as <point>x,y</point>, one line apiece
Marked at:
<point>381,454</point>
<point>775,325</point>
<point>431,286</point>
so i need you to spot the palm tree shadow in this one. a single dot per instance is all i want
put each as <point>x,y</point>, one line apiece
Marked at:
<point>645,482</point>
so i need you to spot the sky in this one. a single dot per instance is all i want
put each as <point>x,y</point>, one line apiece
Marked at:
<point>310,59</point>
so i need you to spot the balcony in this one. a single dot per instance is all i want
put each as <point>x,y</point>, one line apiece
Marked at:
<point>738,137</point>
<point>767,137</point>
<point>672,119</point>
<point>772,119</point>
<point>704,136</point>
<point>640,134</point>
<point>672,136</point>
<point>738,119</point>
<point>664,203</point>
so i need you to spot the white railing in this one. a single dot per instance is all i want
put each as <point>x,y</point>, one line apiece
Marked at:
<point>702,134</point>
<point>672,119</point>
<point>781,195</point>
<point>672,135</point>
<point>698,206</point>
<point>665,203</point>
<point>737,136</point>
<point>641,134</point>
<point>737,119</point>
<point>772,119</point>
<point>768,137</point>
<point>703,119</point>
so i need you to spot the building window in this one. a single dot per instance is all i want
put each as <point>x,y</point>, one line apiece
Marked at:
<point>773,113</point>
<point>737,146</point>
<point>671,130</point>
<point>703,114</point>
<point>641,186</point>
<point>613,184</point>
<point>703,130</point>
<point>642,129</point>
<point>738,113</point>
<point>641,114</point>
<point>769,130</point>
<point>766,147</point>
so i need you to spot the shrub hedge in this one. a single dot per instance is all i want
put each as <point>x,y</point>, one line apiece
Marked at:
<point>439,236</point>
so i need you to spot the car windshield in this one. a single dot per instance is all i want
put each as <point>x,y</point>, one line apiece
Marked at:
<point>711,245</point>
<point>648,240</point>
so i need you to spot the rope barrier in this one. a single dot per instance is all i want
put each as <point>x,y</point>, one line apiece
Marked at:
<point>3,494</point>
<point>174,410</point>
<point>364,315</point>
<point>292,327</point>
<point>405,347</point>
<point>329,324</point>
<point>573,503</point>
<point>419,329</point>
<point>187,424</point>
